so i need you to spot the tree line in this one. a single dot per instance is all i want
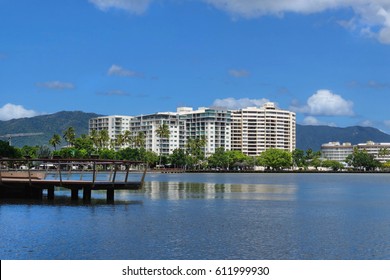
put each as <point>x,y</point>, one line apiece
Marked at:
<point>98,144</point>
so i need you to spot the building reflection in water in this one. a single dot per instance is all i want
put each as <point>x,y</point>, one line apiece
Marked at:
<point>188,190</point>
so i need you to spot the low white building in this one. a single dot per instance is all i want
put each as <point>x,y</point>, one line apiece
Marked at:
<point>380,151</point>
<point>336,151</point>
<point>339,152</point>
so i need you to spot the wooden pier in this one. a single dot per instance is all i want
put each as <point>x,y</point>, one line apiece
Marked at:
<point>32,181</point>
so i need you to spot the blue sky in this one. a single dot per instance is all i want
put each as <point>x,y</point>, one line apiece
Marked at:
<point>329,61</point>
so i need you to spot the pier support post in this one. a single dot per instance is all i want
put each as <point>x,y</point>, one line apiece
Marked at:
<point>74,194</point>
<point>110,195</point>
<point>50,193</point>
<point>87,194</point>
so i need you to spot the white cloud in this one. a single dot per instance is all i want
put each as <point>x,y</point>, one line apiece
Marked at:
<point>311,121</point>
<point>372,17</point>
<point>131,6</point>
<point>387,123</point>
<point>372,84</point>
<point>326,103</point>
<point>56,85</point>
<point>114,93</point>
<point>232,103</point>
<point>367,123</point>
<point>11,111</point>
<point>116,70</point>
<point>238,73</point>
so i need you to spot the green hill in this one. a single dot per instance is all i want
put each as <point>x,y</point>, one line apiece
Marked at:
<point>47,124</point>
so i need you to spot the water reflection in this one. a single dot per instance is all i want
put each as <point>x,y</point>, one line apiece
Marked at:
<point>191,190</point>
<point>210,216</point>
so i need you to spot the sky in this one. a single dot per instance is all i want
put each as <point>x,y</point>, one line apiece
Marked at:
<point>326,60</point>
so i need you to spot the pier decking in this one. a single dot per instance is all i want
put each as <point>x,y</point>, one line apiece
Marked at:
<point>72,174</point>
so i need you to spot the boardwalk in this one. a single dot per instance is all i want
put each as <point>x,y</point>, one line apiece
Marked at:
<point>31,183</point>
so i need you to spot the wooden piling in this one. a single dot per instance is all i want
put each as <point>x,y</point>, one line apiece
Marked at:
<point>74,194</point>
<point>110,195</point>
<point>87,194</point>
<point>50,192</point>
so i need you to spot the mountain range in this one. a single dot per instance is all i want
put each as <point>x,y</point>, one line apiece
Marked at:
<point>48,125</point>
<point>308,136</point>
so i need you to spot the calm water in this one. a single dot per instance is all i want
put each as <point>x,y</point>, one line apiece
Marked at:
<point>210,216</point>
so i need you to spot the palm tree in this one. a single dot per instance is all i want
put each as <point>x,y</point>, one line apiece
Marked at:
<point>127,138</point>
<point>55,140</point>
<point>383,153</point>
<point>104,138</point>
<point>196,148</point>
<point>202,141</point>
<point>139,140</point>
<point>120,140</point>
<point>162,132</point>
<point>95,137</point>
<point>69,135</point>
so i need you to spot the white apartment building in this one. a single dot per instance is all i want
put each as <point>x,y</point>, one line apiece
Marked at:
<point>255,130</point>
<point>213,124</point>
<point>380,151</point>
<point>149,124</point>
<point>115,125</point>
<point>336,151</point>
<point>183,124</point>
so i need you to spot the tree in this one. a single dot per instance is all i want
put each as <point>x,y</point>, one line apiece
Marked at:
<point>8,151</point>
<point>383,153</point>
<point>29,151</point>
<point>298,157</point>
<point>69,135</point>
<point>333,164</point>
<point>140,139</point>
<point>44,152</point>
<point>130,154</point>
<point>386,165</point>
<point>55,141</point>
<point>107,154</point>
<point>94,135</point>
<point>178,158</point>
<point>150,157</point>
<point>362,160</point>
<point>195,147</point>
<point>275,159</point>
<point>120,140</point>
<point>103,139</point>
<point>236,158</point>
<point>312,158</point>
<point>127,138</point>
<point>85,143</point>
<point>219,159</point>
